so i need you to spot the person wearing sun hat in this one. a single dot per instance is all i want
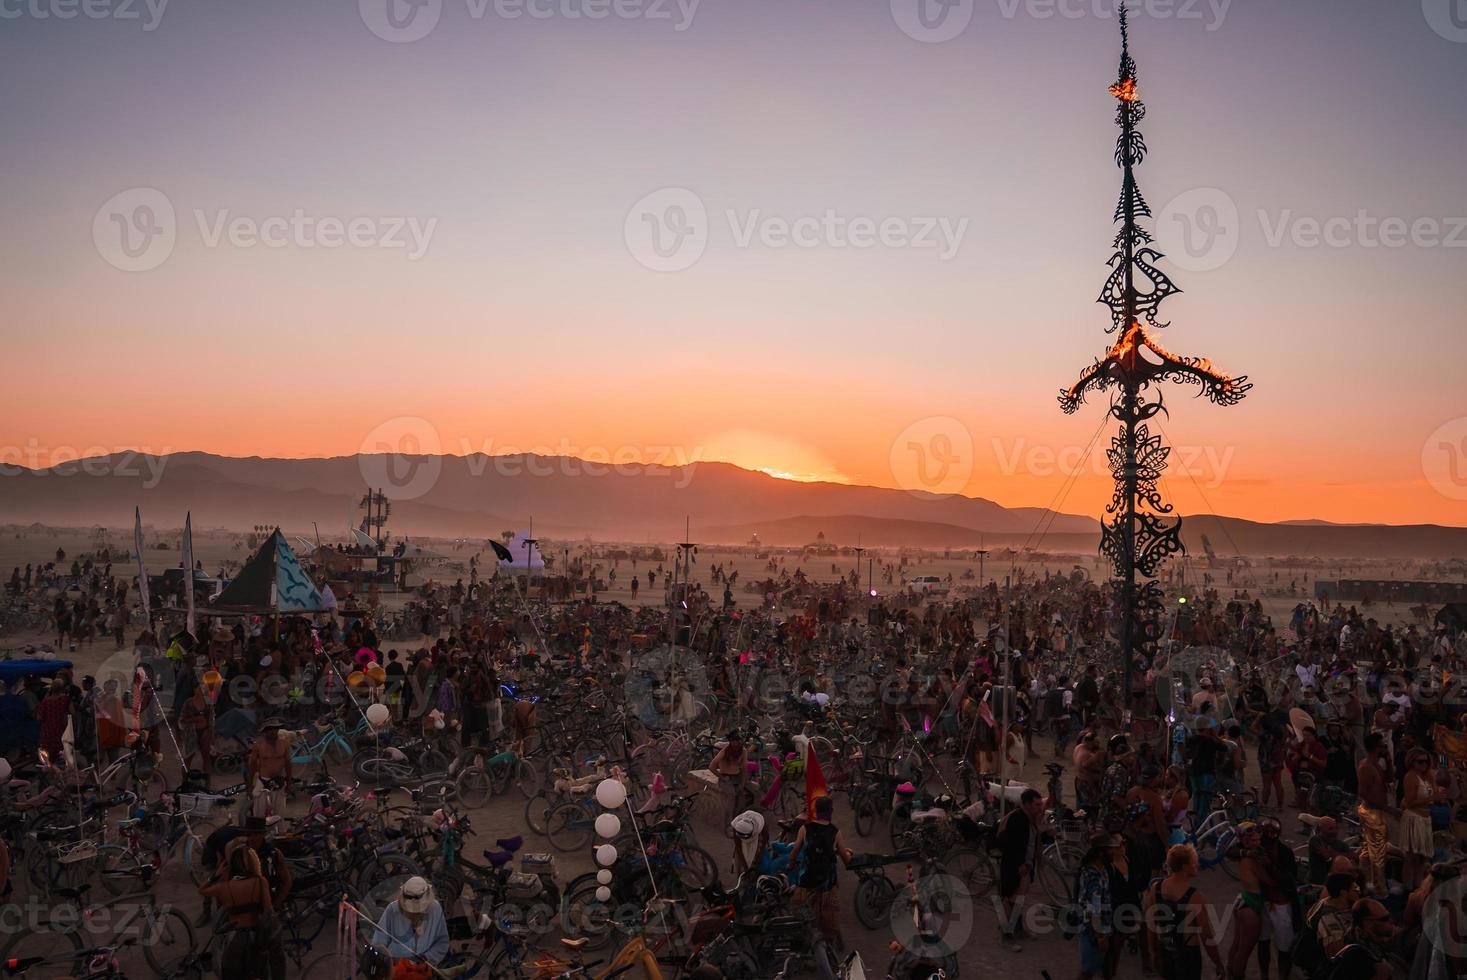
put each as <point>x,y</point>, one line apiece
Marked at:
<point>413,926</point>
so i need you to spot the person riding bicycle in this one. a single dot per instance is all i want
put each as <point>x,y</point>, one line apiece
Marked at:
<point>413,928</point>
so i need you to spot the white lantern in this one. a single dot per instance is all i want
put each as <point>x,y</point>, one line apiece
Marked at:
<point>608,825</point>
<point>603,894</point>
<point>610,793</point>
<point>603,877</point>
<point>606,855</point>
<point>378,715</point>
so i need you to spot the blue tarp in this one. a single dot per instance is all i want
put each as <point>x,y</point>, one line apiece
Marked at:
<point>14,670</point>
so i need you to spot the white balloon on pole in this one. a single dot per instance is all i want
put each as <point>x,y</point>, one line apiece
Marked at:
<point>603,877</point>
<point>606,855</point>
<point>610,793</point>
<point>608,825</point>
<point>378,716</point>
<point>603,894</point>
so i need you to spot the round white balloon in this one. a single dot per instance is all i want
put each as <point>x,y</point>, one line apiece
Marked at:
<point>608,825</point>
<point>603,894</point>
<point>610,793</point>
<point>606,855</point>
<point>378,716</point>
<point>603,877</point>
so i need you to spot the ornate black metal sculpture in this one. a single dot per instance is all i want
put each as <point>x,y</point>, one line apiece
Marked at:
<point>1139,532</point>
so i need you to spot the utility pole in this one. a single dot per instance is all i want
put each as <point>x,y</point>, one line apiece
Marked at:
<point>1139,532</point>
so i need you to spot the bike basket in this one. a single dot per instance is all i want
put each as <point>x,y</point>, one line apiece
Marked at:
<point>536,864</point>
<point>196,804</point>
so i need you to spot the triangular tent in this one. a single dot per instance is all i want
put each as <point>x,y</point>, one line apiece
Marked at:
<point>272,580</point>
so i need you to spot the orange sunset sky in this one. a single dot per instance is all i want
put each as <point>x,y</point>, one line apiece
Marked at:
<point>533,320</point>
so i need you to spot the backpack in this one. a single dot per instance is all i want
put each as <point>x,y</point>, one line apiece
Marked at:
<point>1309,954</point>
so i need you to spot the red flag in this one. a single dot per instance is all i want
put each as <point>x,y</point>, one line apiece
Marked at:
<point>814,781</point>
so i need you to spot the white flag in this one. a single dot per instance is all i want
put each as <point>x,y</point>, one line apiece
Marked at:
<point>137,545</point>
<point>188,569</point>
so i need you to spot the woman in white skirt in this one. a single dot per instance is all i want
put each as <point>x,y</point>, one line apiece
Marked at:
<point>1419,790</point>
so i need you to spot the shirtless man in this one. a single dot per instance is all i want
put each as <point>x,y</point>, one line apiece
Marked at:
<point>1373,774</point>
<point>1089,760</point>
<point>269,759</point>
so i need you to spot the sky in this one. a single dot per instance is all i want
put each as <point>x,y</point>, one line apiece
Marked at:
<point>847,240</point>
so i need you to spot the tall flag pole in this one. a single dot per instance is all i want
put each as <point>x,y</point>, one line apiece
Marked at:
<point>188,569</point>
<point>1139,530</point>
<point>137,545</point>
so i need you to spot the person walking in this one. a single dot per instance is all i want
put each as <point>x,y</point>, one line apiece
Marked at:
<point>820,842</point>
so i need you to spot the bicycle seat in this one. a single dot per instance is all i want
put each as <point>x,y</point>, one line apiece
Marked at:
<point>75,894</point>
<point>511,843</point>
<point>574,943</point>
<point>498,858</point>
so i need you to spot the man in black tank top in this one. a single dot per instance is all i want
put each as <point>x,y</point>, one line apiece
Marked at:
<point>821,843</point>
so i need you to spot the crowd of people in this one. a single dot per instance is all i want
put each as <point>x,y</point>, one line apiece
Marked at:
<point>1365,719</point>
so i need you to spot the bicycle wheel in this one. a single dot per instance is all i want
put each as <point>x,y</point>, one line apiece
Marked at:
<point>569,827</point>
<point>527,779</point>
<point>873,901</point>
<point>168,938</point>
<point>193,857</point>
<point>699,870</point>
<point>47,944</point>
<point>1057,882</point>
<point>120,869</point>
<point>537,812</point>
<point>474,787</point>
<point>975,869</point>
<point>386,867</point>
<point>583,916</point>
<point>827,964</point>
<point>865,814</point>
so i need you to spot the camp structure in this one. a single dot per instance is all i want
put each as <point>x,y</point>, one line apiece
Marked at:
<point>272,581</point>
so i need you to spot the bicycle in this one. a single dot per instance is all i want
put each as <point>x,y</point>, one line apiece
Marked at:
<point>94,963</point>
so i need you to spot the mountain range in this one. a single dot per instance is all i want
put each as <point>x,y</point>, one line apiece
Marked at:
<point>479,495</point>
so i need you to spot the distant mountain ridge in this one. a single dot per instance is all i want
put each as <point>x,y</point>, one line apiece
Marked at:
<point>470,495</point>
<point>478,495</point>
